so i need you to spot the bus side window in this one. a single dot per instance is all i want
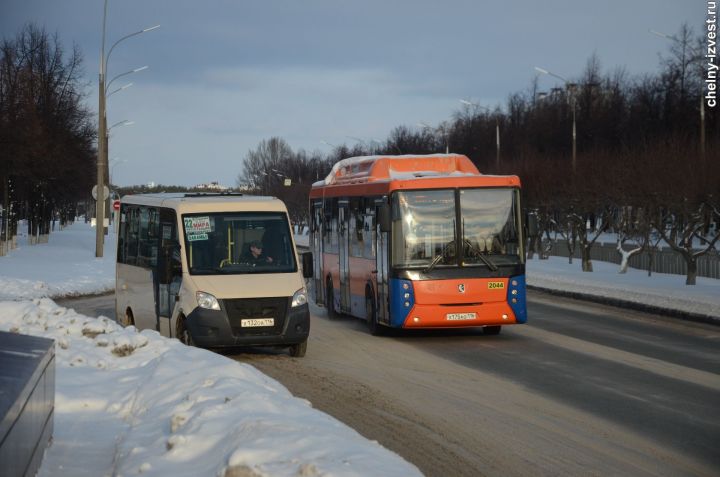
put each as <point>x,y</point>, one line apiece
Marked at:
<point>131,244</point>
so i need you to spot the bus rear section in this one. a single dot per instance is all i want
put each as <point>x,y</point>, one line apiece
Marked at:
<point>213,270</point>
<point>419,242</point>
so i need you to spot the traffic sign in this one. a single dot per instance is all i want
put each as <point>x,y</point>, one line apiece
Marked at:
<point>106,193</point>
<point>116,205</point>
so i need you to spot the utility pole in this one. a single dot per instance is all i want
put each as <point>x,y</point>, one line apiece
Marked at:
<point>102,137</point>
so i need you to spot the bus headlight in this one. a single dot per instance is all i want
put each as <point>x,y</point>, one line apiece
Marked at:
<point>206,300</point>
<point>299,298</point>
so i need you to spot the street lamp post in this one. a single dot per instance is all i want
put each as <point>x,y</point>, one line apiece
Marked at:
<point>571,89</point>
<point>497,129</point>
<point>102,162</point>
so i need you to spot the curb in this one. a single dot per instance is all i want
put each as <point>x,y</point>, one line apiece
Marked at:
<point>684,315</point>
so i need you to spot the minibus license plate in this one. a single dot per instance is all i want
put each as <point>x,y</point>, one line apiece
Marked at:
<point>253,322</point>
<point>460,316</point>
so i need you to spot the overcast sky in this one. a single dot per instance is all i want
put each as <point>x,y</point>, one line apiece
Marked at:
<point>226,74</point>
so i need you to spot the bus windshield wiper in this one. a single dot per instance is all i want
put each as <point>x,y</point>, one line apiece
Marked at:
<point>488,262</point>
<point>434,262</point>
<point>483,257</point>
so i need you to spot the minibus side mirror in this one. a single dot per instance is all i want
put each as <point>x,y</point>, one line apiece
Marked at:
<point>383,217</point>
<point>532,225</point>
<point>166,265</point>
<point>307,264</point>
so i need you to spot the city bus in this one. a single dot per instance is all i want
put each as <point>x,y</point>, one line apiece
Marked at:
<point>212,269</point>
<point>418,241</point>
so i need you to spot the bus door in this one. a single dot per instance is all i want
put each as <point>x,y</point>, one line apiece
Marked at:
<point>316,233</point>
<point>343,252</point>
<point>381,265</point>
<point>166,293</point>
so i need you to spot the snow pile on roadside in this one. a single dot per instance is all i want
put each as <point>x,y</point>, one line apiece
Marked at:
<point>65,266</point>
<point>130,403</point>
<point>660,290</point>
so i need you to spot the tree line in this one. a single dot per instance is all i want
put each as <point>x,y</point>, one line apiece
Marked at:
<point>641,163</point>
<point>644,167</point>
<point>47,151</point>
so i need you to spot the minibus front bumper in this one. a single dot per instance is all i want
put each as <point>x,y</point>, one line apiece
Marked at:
<point>229,326</point>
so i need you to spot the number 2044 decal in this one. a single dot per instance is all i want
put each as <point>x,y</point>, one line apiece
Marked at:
<point>496,285</point>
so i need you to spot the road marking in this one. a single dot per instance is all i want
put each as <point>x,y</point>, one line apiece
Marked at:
<point>663,368</point>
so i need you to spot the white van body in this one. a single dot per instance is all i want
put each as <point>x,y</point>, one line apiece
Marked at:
<point>186,268</point>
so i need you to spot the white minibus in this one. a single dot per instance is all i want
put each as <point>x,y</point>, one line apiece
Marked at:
<point>214,270</point>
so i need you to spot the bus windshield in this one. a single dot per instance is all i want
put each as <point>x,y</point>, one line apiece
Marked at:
<point>238,243</point>
<point>426,232</point>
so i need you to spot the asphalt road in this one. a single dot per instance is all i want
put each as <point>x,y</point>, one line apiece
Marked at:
<point>582,389</point>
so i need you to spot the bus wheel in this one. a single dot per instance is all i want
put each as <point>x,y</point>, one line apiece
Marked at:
<point>128,319</point>
<point>492,330</point>
<point>330,299</point>
<point>371,315</point>
<point>298,350</point>
<point>182,332</point>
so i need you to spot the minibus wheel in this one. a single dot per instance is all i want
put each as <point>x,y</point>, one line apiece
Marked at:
<point>331,312</point>
<point>182,332</point>
<point>298,350</point>
<point>491,330</point>
<point>128,319</point>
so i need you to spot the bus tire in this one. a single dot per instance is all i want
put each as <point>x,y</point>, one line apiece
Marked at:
<point>298,350</point>
<point>182,333</point>
<point>128,319</point>
<point>491,330</point>
<point>374,327</point>
<point>329,297</point>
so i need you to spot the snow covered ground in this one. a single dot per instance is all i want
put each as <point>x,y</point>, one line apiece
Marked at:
<point>660,291</point>
<point>130,403</point>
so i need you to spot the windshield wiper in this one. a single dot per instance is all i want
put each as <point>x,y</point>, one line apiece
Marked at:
<point>486,260</point>
<point>434,262</point>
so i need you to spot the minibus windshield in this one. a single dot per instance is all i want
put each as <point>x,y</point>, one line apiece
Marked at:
<point>238,243</point>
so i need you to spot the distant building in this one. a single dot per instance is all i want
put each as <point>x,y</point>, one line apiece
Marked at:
<point>211,186</point>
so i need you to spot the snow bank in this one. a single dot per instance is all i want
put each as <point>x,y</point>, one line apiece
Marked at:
<point>130,403</point>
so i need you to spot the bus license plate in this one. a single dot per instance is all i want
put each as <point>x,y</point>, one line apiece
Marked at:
<point>460,316</point>
<point>254,322</point>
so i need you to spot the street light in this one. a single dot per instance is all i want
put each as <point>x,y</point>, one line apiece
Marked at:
<point>102,162</point>
<point>113,166</point>
<point>497,129</point>
<point>699,57</point>
<point>571,88</point>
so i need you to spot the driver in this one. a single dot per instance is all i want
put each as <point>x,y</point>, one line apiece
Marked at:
<point>256,255</point>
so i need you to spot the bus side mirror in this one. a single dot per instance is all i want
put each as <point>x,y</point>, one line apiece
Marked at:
<point>532,225</point>
<point>166,267</point>
<point>307,264</point>
<point>383,217</point>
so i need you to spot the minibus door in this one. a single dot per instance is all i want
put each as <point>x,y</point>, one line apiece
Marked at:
<point>169,273</point>
<point>343,246</point>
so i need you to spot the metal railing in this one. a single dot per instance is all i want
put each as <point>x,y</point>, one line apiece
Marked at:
<point>665,260</point>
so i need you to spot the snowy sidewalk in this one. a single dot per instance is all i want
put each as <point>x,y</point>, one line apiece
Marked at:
<point>659,293</point>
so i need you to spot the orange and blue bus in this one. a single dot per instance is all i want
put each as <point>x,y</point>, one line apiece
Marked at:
<point>421,241</point>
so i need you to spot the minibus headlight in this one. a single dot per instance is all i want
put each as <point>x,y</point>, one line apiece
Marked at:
<point>206,300</point>
<point>299,298</point>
